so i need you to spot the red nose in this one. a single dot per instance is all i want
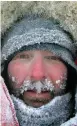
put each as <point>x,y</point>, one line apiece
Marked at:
<point>38,70</point>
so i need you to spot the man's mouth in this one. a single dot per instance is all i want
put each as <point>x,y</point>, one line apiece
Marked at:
<point>36,93</point>
<point>34,99</point>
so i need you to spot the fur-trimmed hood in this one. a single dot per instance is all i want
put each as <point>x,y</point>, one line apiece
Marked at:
<point>64,12</point>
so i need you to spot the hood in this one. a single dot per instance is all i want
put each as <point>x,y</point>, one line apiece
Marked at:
<point>45,14</point>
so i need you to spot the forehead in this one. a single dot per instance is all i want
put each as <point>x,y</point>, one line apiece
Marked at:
<point>43,52</point>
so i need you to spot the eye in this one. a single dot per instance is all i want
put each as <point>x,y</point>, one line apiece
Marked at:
<point>48,57</point>
<point>25,56</point>
<point>22,56</point>
<point>52,58</point>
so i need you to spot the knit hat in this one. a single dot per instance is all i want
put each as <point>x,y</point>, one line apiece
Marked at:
<point>33,32</point>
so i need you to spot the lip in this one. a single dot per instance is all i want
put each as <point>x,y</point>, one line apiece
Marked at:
<point>32,98</point>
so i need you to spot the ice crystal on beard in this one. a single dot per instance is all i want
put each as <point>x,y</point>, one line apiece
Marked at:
<point>38,86</point>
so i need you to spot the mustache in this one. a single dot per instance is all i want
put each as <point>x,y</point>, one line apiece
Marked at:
<point>38,86</point>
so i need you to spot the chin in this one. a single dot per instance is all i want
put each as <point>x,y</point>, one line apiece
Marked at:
<point>34,99</point>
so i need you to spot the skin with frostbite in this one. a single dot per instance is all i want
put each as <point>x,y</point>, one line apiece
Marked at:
<point>36,65</point>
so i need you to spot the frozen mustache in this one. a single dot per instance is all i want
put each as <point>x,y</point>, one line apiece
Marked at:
<point>37,86</point>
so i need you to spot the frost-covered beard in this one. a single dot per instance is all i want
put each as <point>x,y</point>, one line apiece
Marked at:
<point>54,113</point>
<point>41,86</point>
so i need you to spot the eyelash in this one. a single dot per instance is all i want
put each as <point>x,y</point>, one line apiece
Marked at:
<point>51,58</point>
<point>48,57</point>
<point>28,56</point>
<point>25,56</point>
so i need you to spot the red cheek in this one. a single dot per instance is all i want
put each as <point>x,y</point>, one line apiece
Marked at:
<point>56,71</point>
<point>18,70</point>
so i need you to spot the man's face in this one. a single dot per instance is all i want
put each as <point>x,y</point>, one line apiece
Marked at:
<point>39,74</point>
